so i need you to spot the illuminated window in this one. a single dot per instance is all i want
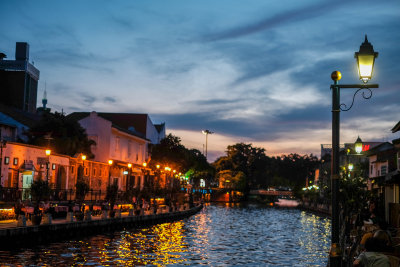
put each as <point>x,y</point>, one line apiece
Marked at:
<point>15,162</point>
<point>6,160</point>
<point>53,167</point>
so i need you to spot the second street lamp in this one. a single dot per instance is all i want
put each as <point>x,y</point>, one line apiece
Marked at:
<point>358,146</point>
<point>365,59</point>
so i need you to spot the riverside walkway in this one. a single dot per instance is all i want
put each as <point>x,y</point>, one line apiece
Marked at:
<point>12,236</point>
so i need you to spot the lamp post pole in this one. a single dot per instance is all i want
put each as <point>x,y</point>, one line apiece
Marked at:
<point>110,162</point>
<point>365,58</point>
<point>335,257</point>
<point>48,153</point>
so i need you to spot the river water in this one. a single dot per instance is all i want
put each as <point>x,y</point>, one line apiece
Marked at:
<point>219,235</point>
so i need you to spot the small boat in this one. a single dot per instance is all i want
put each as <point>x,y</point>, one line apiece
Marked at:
<point>287,203</point>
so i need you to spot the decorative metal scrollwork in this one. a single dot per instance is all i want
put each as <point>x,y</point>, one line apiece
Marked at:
<point>364,95</point>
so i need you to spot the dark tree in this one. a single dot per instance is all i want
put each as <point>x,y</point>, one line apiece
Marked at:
<point>259,170</point>
<point>171,152</point>
<point>61,134</point>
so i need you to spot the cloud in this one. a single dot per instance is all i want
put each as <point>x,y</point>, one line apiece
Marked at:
<point>255,73</point>
<point>88,99</point>
<point>109,99</point>
<point>295,15</point>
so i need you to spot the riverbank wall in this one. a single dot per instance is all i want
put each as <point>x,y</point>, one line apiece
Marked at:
<point>323,209</point>
<point>17,237</point>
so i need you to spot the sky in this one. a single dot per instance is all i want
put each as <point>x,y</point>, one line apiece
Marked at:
<point>250,71</point>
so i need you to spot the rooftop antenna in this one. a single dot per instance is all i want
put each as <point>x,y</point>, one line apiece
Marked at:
<point>44,100</point>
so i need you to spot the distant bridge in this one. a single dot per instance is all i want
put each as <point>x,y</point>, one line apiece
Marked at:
<point>270,193</point>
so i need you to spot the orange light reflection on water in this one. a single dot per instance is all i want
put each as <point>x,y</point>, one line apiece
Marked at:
<point>159,245</point>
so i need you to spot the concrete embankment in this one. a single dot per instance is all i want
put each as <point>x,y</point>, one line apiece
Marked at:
<point>15,237</point>
<point>323,209</point>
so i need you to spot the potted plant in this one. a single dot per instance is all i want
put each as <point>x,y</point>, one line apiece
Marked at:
<point>82,188</point>
<point>40,190</point>
<point>111,197</point>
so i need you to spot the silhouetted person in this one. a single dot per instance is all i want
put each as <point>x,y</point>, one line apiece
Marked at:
<point>373,255</point>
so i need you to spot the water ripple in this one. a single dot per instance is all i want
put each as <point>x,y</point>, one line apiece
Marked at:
<point>220,235</point>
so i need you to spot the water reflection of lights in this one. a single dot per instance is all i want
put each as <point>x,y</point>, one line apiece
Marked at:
<point>311,227</point>
<point>218,235</point>
<point>159,245</point>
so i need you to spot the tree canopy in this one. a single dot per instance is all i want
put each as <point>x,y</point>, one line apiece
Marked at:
<point>61,134</point>
<point>170,152</point>
<point>257,170</point>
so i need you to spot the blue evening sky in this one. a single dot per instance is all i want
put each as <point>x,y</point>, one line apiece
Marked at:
<point>251,71</point>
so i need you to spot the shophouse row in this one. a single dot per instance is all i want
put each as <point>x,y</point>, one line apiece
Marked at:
<point>121,153</point>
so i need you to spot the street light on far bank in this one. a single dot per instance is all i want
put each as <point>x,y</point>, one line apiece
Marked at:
<point>110,163</point>
<point>206,132</point>
<point>48,153</point>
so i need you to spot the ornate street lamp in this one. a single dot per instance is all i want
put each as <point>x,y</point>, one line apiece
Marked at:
<point>358,146</point>
<point>365,60</point>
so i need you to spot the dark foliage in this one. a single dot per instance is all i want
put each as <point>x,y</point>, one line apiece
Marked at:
<point>61,134</point>
<point>259,171</point>
<point>170,152</point>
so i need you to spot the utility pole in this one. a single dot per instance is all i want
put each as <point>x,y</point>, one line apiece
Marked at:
<point>207,132</point>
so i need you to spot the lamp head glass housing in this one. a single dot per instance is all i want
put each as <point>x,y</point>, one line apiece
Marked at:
<point>365,60</point>
<point>358,145</point>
